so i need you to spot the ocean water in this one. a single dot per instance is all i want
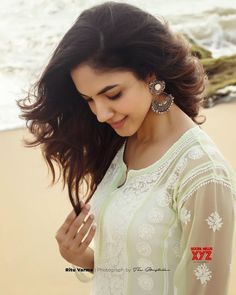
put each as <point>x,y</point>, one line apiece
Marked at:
<point>30,31</point>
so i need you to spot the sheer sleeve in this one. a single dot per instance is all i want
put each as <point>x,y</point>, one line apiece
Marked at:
<point>206,211</point>
<point>81,274</point>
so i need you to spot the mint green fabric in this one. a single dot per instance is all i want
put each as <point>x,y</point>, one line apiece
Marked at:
<point>147,226</point>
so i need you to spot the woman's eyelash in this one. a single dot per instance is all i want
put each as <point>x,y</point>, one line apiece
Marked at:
<point>115,96</point>
<point>110,97</point>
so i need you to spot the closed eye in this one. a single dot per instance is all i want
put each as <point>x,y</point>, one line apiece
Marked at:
<point>110,97</point>
<point>115,96</point>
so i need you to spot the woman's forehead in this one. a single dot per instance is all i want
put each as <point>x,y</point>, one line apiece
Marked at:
<point>85,78</point>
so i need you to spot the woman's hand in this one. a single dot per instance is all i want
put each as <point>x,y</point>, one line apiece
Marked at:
<point>70,239</point>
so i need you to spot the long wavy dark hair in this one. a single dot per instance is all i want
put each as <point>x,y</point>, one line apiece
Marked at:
<point>108,36</point>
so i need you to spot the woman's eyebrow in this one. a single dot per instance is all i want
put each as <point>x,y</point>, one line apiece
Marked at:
<point>103,90</point>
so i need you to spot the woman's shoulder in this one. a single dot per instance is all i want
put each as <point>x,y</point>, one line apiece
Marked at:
<point>202,159</point>
<point>202,149</point>
<point>202,166</point>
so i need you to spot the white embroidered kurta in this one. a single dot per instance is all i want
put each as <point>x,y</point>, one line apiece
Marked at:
<point>168,230</point>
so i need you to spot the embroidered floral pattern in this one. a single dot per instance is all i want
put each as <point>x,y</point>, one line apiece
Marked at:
<point>163,198</point>
<point>143,248</point>
<point>155,215</point>
<point>182,163</point>
<point>195,153</point>
<point>185,215</point>
<point>142,183</point>
<point>146,231</point>
<point>145,282</point>
<point>214,221</point>
<point>203,273</point>
<point>176,249</point>
<point>172,180</point>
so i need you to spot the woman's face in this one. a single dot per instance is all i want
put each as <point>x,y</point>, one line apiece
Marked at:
<point>114,96</point>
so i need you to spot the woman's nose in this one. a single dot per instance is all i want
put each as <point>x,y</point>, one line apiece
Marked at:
<point>103,112</point>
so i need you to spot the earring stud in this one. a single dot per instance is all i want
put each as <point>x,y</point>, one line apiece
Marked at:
<point>157,87</point>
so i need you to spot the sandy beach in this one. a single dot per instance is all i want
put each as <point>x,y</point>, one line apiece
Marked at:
<point>31,212</point>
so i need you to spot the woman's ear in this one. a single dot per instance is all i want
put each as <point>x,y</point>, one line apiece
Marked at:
<point>150,78</point>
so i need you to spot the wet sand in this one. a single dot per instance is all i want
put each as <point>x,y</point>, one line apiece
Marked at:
<point>31,212</point>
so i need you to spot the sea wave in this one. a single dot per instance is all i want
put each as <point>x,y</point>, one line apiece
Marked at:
<point>213,29</point>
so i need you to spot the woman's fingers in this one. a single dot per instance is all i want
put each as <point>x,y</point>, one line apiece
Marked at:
<point>83,231</point>
<point>66,225</point>
<point>77,222</point>
<point>85,243</point>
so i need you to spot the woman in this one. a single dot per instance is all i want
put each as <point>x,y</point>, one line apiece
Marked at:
<point>116,108</point>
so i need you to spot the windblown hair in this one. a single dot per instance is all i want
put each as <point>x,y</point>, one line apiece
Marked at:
<point>107,37</point>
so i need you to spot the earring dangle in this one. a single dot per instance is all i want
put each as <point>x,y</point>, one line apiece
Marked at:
<point>157,88</point>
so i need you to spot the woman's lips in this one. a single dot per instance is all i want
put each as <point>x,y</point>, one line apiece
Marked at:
<point>118,124</point>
